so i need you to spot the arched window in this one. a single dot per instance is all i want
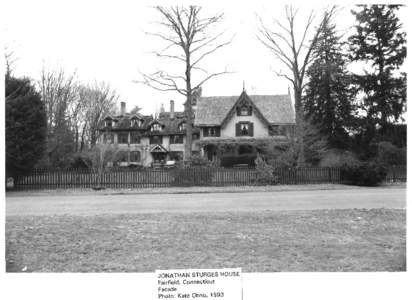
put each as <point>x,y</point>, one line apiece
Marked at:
<point>244,110</point>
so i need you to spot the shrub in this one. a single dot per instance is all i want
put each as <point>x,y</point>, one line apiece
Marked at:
<point>229,161</point>
<point>198,160</point>
<point>264,172</point>
<point>364,174</point>
<point>337,158</point>
<point>388,154</point>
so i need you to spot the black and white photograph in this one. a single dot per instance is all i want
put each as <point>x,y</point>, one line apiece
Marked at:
<point>243,140</point>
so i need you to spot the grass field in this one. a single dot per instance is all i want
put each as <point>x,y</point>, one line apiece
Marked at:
<point>322,240</point>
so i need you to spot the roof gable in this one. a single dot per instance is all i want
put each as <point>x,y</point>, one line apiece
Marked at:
<point>243,98</point>
<point>158,149</point>
<point>276,109</point>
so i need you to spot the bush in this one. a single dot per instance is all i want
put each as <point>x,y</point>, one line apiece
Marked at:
<point>388,154</point>
<point>364,174</point>
<point>229,161</point>
<point>264,172</point>
<point>338,158</point>
<point>198,160</point>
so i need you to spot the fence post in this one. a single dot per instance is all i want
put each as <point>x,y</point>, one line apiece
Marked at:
<point>393,174</point>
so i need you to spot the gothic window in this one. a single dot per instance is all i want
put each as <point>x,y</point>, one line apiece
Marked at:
<point>244,110</point>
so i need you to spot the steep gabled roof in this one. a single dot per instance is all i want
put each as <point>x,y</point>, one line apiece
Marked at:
<point>244,98</point>
<point>123,122</point>
<point>276,109</point>
<point>171,125</point>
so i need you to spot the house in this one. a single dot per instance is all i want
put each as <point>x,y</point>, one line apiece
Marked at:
<point>146,140</point>
<point>237,124</point>
<point>226,128</point>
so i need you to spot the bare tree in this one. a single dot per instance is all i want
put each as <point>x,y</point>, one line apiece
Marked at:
<point>99,100</point>
<point>98,159</point>
<point>295,54</point>
<point>189,41</point>
<point>59,92</point>
<point>9,59</point>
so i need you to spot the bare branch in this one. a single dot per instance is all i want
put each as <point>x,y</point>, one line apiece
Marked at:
<point>160,55</point>
<point>210,52</point>
<point>187,30</point>
<point>210,77</point>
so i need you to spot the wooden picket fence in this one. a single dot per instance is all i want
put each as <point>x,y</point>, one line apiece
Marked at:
<point>153,178</point>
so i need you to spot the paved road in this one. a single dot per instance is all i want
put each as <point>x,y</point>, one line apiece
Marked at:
<point>252,201</point>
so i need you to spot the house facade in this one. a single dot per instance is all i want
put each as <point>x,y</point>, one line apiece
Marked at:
<point>146,140</point>
<point>226,128</point>
<point>231,127</point>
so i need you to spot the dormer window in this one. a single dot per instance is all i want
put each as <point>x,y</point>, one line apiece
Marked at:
<point>156,127</point>
<point>182,126</point>
<point>109,123</point>
<point>136,122</point>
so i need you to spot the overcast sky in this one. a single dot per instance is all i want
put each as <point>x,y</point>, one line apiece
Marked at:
<point>106,41</point>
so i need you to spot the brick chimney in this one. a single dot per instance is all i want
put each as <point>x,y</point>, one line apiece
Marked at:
<point>172,109</point>
<point>122,108</point>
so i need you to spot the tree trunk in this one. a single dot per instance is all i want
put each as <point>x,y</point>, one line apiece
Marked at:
<point>299,126</point>
<point>76,146</point>
<point>189,112</point>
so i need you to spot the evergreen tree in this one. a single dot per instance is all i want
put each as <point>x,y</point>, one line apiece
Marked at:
<point>379,43</point>
<point>328,96</point>
<point>25,126</point>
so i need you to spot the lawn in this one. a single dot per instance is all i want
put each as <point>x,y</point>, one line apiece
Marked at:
<point>267,241</point>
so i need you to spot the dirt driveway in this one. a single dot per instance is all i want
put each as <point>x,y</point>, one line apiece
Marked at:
<point>218,202</point>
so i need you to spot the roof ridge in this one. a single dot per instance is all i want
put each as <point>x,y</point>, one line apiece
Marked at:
<point>253,95</point>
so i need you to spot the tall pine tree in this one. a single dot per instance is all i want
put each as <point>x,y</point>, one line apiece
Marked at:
<point>25,126</point>
<point>327,101</point>
<point>379,44</point>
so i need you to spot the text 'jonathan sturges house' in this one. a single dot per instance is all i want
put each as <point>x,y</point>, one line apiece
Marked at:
<point>227,129</point>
